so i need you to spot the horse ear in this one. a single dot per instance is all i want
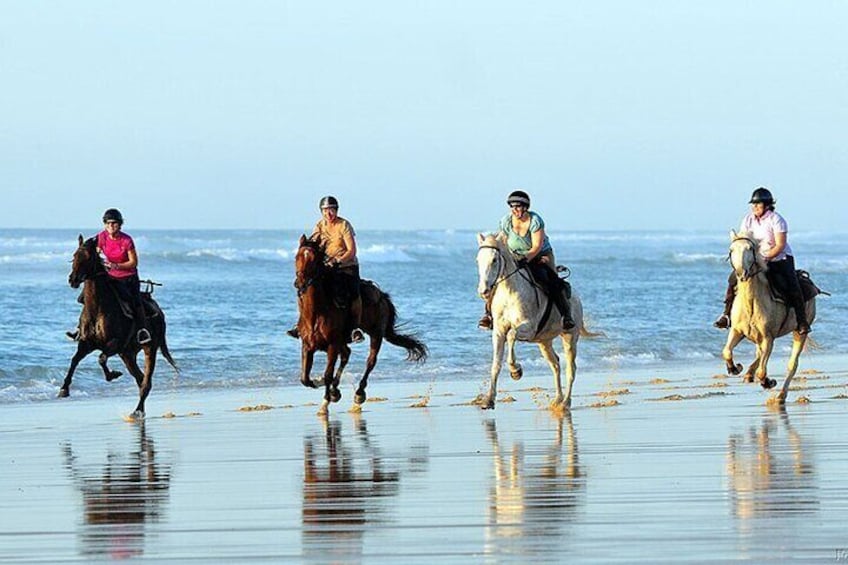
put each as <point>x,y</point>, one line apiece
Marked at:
<point>732,235</point>
<point>302,239</point>
<point>480,239</point>
<point>81,240</point>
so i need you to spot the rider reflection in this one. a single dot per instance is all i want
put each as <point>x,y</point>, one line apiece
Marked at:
<point>533,492</point>
<point>770,473</point>
<point>345,489</point>
<point>120,498</point>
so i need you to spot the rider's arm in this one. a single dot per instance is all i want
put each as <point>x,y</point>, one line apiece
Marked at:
<point>779,246</point>
<point>350,246</point>
<point>128,265</point>
<point>537,238</point>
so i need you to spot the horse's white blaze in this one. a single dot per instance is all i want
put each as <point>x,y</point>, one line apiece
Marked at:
<point>517,308</point>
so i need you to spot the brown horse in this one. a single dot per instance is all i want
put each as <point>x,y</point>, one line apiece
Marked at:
<point>322,324</point>
<point>105,327</point>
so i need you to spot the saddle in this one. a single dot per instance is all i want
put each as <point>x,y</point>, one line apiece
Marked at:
<point>809,289</point>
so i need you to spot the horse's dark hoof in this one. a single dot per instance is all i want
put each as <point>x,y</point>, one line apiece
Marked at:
<point>517,374</point>
<point>748,379</point>
<point>63,393</point>
<point>734,369</point>
<point>768,383</point>
<point>113,375</point>
<point>335,395</point>
<point>308,383</point>
<point>360,397</point>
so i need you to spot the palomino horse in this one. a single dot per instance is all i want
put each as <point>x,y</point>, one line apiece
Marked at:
<point>517,314</point>
<point>105,327</point>
<point>756,315</point>
<point>322,324</point>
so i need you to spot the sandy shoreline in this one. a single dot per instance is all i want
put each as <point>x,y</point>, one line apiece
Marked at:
<point>649,466</point>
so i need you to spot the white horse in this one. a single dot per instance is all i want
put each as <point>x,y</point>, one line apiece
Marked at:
<point>518,306</point>
<point>756,315</point>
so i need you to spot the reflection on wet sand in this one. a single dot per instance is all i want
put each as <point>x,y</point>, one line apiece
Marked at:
<point>345,487</point>
<point>771,474</point>
<point>533,494</point>
<point>120,498</point>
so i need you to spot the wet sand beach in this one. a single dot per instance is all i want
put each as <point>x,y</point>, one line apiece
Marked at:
<point>648,467</point>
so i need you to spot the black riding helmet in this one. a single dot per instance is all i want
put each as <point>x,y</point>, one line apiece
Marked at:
<point>762,195</point>
<point>329,202</point>
<point>113,215</point>
<point>518,197</point>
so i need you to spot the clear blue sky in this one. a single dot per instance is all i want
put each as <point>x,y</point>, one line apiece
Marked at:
<point>611,114</point>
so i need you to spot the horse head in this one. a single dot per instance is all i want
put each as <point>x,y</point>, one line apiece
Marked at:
<point>86,263</point>
<point>493,258</point>
<point>744,256</point>
<point>308,264</point>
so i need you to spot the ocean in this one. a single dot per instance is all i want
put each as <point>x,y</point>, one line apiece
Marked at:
<point>228,298</point>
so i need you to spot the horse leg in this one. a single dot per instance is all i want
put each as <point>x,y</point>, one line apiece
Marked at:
<point>765,347</point>
<point>752,368</point>
<point>82,351</point>
<point>110,349</point>
<point>330,394</point>
<point>376,343</point>
<point>733,339</point>
<point>547,349</point>
<point>343,359</point>
<point>798,342</point>
<point>515,370</point>
<point>498,341</point>
<point>569,349</point>
<point>142,378</point>
<point>307,356</point>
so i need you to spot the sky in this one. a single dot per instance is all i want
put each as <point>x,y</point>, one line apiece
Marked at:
<point>654,115</point>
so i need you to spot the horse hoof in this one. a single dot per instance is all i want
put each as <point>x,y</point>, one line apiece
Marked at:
<point>136,416</point>
<point>517,374</point>
<point>63,393</point>
<point>748,379</point>
<point>360,397</point>
<point>335,395</point>
<point>734,369</point>
<point>113,375</point>
<point>768,383</point>
<point>487,404</point>
<point>308,384</point>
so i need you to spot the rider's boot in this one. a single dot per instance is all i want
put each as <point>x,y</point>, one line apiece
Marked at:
<point>803,327</point>
<point>356,320</point>
<point>486,321</point>
<point>564,308</point>
<point>293,332</point>
<point>73,335</point>
<point>723,321</point>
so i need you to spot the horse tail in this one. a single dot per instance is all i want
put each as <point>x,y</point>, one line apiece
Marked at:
<point>584,332</point>
<point>415,349</point>
<point>166,353</point>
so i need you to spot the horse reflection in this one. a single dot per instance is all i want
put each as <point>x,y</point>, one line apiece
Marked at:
<point>119,498</point>
<point>533,493</point>
<point>345,487</point>
<point>770,474</point>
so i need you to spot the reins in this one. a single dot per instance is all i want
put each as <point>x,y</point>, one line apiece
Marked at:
<point>501,277</point>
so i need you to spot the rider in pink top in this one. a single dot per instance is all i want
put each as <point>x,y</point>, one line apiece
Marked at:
<point>769,227</point>
<point>121,261</point>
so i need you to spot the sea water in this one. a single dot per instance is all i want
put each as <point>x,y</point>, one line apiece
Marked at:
<point>228,298</point>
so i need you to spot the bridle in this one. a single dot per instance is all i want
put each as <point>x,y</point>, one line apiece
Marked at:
<point>310,281</point>
<point>500,276</point>
<point>756,268</point>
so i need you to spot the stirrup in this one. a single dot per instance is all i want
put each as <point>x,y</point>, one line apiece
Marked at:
<point>723,322</point>
<point>356,336</point>
<point>143,336</point>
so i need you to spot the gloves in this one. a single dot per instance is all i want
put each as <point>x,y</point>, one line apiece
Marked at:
<point>521,262</point>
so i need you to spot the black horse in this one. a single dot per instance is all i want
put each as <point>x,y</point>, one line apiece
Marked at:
<point>104,325</point>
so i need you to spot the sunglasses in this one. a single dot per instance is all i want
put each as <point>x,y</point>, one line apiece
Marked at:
<point>515,206</point>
